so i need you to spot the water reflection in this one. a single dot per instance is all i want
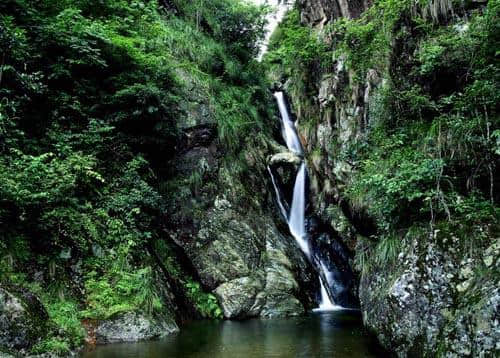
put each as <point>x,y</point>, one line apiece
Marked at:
<point>325,334</point>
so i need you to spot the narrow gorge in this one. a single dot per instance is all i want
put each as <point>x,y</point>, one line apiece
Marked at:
<point>249,178</point>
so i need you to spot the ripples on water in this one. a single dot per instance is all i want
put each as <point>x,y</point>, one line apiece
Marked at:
<point>335,334</point>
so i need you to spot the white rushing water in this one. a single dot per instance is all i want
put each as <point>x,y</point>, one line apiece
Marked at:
<point>296,217</point>
<point>289,131</point>
<point>278,196</point>
<point>296,221</point>
<point>326,303</point>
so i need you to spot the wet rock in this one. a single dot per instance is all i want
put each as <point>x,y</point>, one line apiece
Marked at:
<point>332,260</point>
<point>286,157</point>
<point>133,327</point>
<point>22,319</point>
<point>238,297</point>
<point>253,270</point>
<point>282,306</point>
<point>239,254</point>
<point>222,219</point>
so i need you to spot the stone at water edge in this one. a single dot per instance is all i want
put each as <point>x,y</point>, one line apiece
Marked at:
<point>22,319</point>
<point>133,327</point>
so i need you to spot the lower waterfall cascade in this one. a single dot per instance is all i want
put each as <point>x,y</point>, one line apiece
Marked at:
<point>296,215</point>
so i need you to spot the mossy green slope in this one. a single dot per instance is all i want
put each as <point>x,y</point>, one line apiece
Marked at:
<point>92,108</point>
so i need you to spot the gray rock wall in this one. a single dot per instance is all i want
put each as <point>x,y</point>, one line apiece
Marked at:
<point>222,215</point>
<point>437,299</point>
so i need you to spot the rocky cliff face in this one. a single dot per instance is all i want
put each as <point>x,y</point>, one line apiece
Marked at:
<point>436,297</point>
<point>320,12</point>
<point>222,216</point>
<point>433,301</point>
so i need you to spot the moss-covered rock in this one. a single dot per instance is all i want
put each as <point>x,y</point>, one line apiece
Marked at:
<point>133,327</point>
<point>22,319</point>
<point>246,260</point>
<point>434,299</point>
<point>228,233</point>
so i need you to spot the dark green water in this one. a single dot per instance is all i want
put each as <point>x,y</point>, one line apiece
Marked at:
<point>335,334</point>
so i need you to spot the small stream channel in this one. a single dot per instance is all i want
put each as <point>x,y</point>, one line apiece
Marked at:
<point>337,334</point>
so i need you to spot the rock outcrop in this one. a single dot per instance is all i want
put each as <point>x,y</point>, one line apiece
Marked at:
<point>22,319</point>
<point>320,12</point>
<point>133,327</point>
<point>225,223</point>
<point>436,298</point>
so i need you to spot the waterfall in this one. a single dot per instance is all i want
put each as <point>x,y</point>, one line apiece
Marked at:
<point>326,303</point>
<point>296,217</point>
<point>278,196</point>
<point>289,131</point>
<point>296,221</point>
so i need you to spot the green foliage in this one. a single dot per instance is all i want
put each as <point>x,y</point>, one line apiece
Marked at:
<point>395,179</point>
<point>365,43</point>
<point>236,117</point>
<point>67,331</point>
<point>237,24</point>
<point>431,152</point>
<point>206,303</point>
<point>92,101</point>
<point>296,46</point>
<point>119,288</point>
<point>387,249</point>
<point>298,52</point>
<point>53,345</point>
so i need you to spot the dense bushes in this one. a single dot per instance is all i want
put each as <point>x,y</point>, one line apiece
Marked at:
<point>433,143</point>
<point>90,103</point>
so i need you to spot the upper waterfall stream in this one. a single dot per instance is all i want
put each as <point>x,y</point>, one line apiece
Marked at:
<point>296,217</point>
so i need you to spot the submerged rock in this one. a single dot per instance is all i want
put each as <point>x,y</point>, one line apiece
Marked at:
<point>133,327</point>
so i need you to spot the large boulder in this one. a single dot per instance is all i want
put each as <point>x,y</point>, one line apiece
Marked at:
<point>22,319</point>
<point>133,327</point>
<point>281,285</point>
<point>284,158</point>
<point>240,297</point>
<point>252,268</point>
